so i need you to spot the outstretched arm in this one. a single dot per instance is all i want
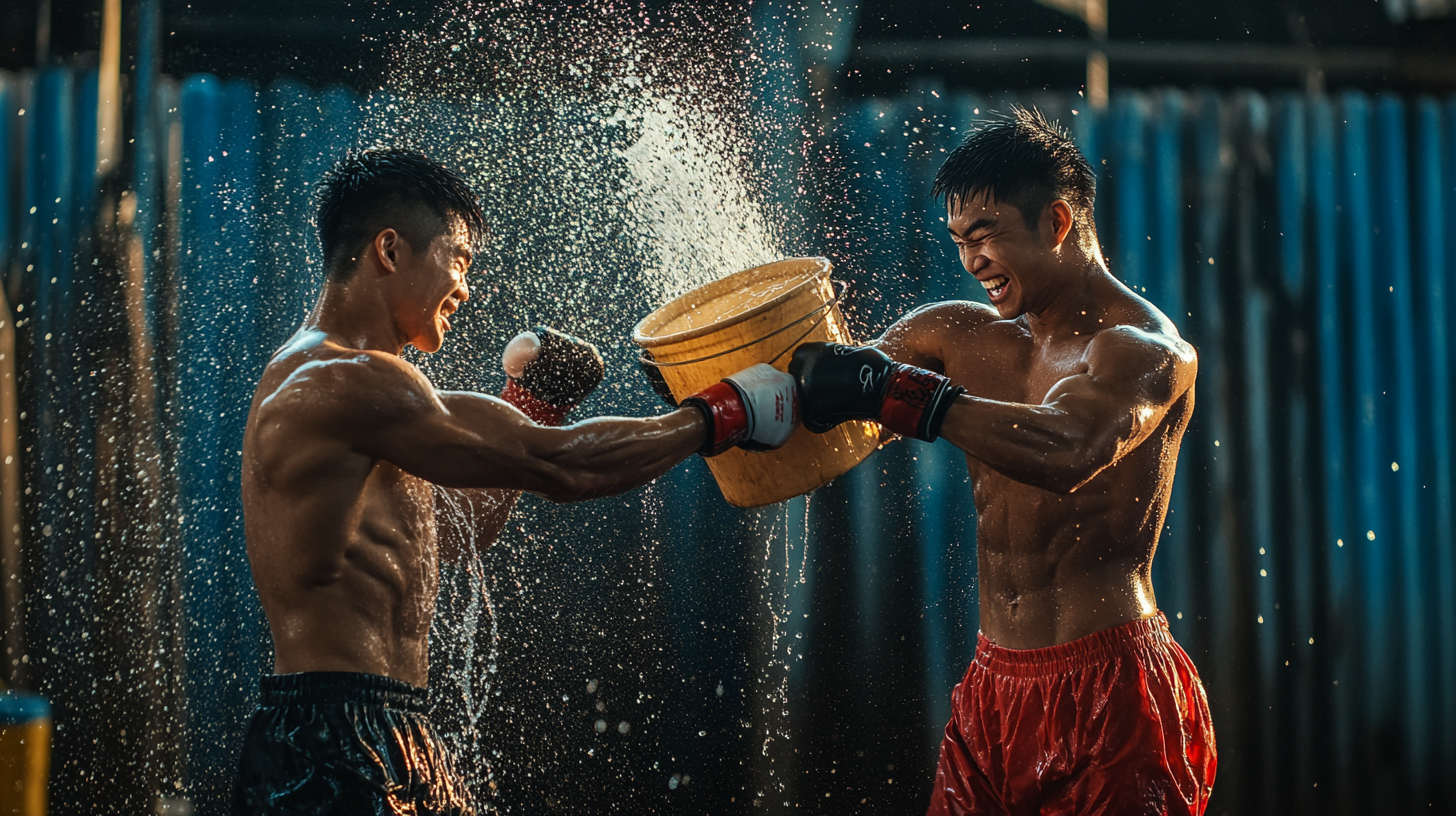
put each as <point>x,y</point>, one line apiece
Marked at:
<point>1088,421</point>
<point>468,440</point>
<point>896,381</point>
<point>919,337</point>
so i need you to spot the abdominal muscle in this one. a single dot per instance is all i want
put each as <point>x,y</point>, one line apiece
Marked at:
<point>1054,568</point>
<point>358,594</point>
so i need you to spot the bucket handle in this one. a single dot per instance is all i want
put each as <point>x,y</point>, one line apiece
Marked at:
<point>650,366</point>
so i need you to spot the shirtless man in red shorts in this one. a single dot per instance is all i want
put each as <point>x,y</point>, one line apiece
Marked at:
<point>346,453</point>
<point>1069,396</point>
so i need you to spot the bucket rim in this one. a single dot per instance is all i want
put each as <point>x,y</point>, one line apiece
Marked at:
<point>823,269</point>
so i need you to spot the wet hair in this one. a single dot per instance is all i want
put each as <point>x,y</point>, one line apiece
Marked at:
<point>1021,159</point>
<point>381,187</point>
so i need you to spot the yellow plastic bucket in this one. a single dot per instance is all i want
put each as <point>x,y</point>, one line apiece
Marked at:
<point>759,315</point>
<point>25,753</point>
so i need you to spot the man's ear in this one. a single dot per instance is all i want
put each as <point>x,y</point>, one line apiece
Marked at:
<point>1057,222</point>
<point>386,248</point>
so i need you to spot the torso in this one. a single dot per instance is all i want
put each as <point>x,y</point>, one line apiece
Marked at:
<point>342,546</point>
<point>1055,567</point>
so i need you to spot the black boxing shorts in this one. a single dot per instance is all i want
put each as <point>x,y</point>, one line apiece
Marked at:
<point>345,743</point>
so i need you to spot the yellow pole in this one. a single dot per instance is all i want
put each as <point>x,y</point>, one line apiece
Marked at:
<point>108,96</point>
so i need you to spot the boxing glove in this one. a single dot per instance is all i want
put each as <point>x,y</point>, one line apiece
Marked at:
<point>840,383</point>
<point>756,409</point>
<point>549,373</point>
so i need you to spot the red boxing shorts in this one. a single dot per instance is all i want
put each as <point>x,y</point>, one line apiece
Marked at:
<point>1113,723</point>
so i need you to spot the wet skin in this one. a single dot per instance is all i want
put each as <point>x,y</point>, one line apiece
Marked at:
<point>349,448</point>
<point>1078,394</point>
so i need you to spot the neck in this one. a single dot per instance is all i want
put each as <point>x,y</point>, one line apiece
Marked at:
<point>1070,305</point>
<point>356,314</point>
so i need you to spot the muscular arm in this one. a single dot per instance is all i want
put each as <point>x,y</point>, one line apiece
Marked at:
<point>465,440</point>
<point>1088,421</point>
<point>920,337</point>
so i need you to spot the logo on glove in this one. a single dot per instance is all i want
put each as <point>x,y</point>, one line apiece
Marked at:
<point>914,387</point>
<point>867,378</point>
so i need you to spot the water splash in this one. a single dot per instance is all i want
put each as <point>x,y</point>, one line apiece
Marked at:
<point>613,152</point>
<point>689,205</point>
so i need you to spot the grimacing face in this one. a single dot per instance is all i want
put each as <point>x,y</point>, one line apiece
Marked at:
<point>996,247</point>
<point>435,281</point>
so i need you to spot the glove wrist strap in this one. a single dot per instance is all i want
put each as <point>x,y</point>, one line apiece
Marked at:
<point>727,417</point>
<point>916,402</point>
<point>540,411</point>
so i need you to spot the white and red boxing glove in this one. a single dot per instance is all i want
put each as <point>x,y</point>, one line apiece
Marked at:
<point>549,373</point>
<point>756,409</point>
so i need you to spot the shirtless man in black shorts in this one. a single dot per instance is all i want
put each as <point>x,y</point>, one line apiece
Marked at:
<point>345,448</point>
<point>1069,395</point>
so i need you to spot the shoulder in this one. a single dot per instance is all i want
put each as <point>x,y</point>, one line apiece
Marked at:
<point>948,316</point>
<point>328,384</point>
<point>927,335</point>
<point>1151,356</point>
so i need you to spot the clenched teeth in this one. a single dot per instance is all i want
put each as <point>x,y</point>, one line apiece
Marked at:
<point>994,283</point>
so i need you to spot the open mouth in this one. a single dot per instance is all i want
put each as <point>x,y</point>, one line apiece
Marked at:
<point>446,309</point>
<point>996,287</point>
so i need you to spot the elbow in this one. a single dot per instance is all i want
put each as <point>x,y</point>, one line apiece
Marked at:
<point>1078,466</point>
<point>567,488</point>
<point>563,486</point>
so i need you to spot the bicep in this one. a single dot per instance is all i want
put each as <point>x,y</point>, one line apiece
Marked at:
<point>463,440</point>
<point>1126,388</point>
<point>386,410</point>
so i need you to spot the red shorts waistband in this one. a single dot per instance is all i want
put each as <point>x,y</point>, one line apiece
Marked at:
<point>1150,632</point>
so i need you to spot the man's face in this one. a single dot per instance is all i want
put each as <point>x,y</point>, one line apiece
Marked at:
<point>434,283</point>
<point>997,248</point>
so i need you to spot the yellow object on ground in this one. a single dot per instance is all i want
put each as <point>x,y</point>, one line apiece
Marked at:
<point>25,753</point>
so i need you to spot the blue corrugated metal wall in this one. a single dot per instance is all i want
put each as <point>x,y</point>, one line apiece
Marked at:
<point>1307,560</point>
<point>1302,243</point>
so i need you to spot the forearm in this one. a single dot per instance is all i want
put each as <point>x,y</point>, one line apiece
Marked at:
<point>1040,445</point>
<point>609,455</point>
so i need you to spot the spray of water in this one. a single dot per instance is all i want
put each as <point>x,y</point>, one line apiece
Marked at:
<point>614,150</point>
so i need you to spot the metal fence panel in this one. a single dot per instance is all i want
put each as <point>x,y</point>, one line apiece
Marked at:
<point>1303,244</point>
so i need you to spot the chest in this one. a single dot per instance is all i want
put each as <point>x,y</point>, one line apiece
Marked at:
<point>1014,368</point>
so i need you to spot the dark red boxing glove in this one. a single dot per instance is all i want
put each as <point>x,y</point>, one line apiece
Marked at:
<point>549,373</point>
<point>841,383</point>
<point>756,409</point>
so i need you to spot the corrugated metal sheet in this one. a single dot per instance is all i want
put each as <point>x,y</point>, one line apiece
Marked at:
<point>802,654</point>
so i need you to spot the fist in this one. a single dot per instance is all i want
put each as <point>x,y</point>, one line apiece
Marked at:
<point>756,409</point>
<point>840,383</point>
<point>550,373</point>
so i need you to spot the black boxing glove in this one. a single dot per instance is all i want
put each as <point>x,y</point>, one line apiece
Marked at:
<point>840,383</point>
<point>756,409</point>
<point>549,373</point>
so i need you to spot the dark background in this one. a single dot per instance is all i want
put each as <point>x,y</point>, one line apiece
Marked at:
<point>571,609</point>
<point>326,42</point>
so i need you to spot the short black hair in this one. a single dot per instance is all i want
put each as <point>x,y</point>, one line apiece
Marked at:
<point>1022,159</point>
<point>379,187</point>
